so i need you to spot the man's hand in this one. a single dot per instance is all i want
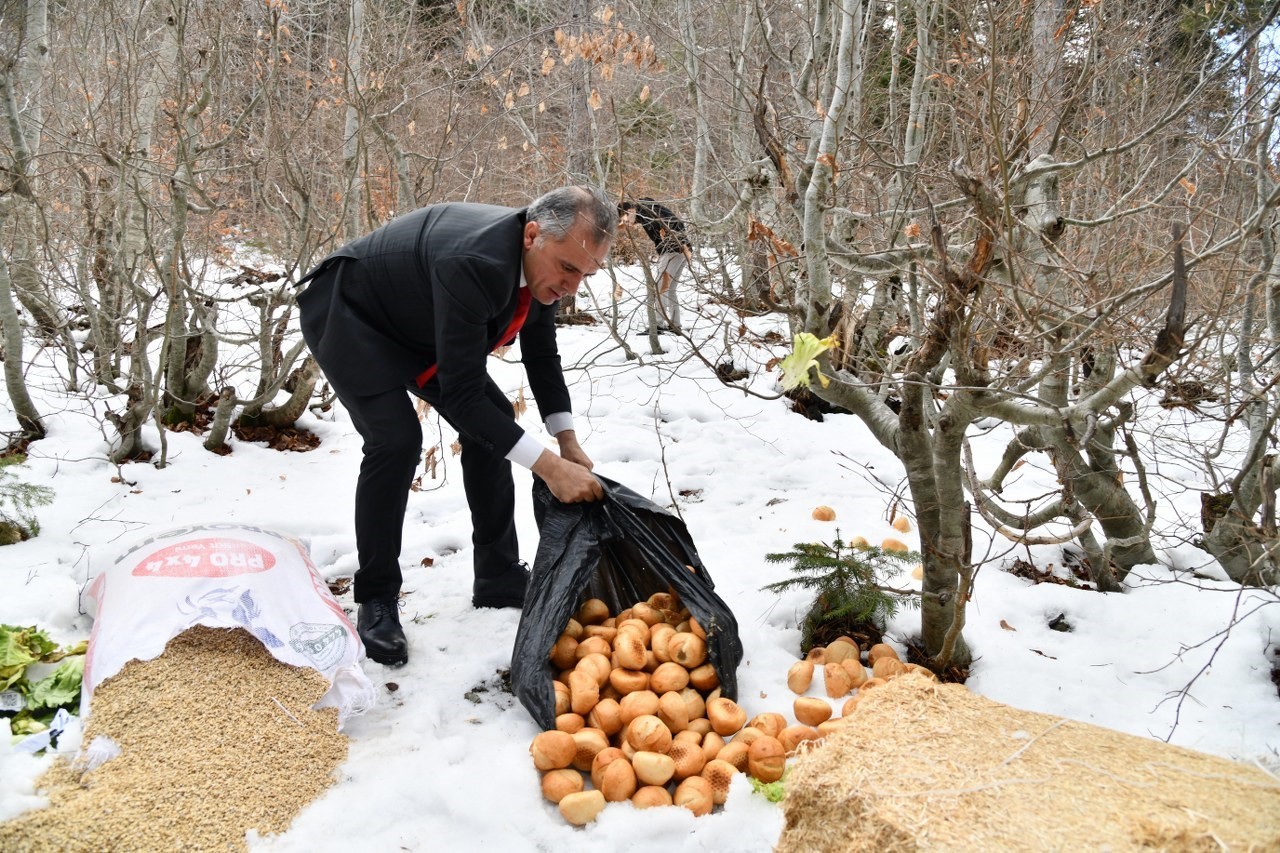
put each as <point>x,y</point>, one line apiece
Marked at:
<point>570,482</point>
<point>571,450</point>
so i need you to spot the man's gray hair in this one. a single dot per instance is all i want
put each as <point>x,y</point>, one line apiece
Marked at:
<point>556,211</point>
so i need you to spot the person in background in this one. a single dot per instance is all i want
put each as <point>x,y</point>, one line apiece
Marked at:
<point>417,305</point>
<point>667,233</point>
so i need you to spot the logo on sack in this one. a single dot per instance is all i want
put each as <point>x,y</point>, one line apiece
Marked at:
<point>206,558</point>
<point>323,645</point>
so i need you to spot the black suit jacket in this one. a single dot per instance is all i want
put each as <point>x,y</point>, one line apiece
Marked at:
<point>435,286</point>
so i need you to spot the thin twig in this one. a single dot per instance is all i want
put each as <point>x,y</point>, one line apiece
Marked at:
<point>1028,744</point>
<point>286,711</point>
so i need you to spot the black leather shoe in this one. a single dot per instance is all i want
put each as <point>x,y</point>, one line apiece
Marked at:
<point>504,590</point>
<point>378,625</point>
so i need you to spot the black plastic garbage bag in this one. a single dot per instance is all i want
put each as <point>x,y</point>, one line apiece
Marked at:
<point>621,550</point>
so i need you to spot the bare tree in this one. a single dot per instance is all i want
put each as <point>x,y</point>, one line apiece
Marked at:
<point>22,67</point>
<point>1241,540</point>
<point>352,141</point>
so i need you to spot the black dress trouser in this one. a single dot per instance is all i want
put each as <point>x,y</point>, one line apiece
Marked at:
<point>388,423</point>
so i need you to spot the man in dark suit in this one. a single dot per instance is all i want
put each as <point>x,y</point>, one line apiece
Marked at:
<point>418,305</point>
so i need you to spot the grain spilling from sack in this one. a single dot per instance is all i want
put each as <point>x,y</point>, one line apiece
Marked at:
<point>216,738</point>
<point>926,766</point>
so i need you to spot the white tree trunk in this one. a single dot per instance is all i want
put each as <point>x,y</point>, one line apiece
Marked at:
<point>351,136</point>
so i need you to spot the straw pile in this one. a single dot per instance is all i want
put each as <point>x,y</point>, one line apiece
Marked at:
<point>216,737</point>
<point>926,766</point>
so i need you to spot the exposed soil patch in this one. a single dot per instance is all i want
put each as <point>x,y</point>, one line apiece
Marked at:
<point>805,402</point>
<point>279,438</point>
<point>496,689</point>
<point>949,674</point>
<point>1023,569</point>
<point>866,634</point>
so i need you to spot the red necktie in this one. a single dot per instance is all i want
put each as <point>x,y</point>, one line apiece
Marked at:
<point>505,339</point>
<point>522,311</point>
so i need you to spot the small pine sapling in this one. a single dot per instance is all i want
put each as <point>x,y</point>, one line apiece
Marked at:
<point>849,584</point>
<point>17,499</point>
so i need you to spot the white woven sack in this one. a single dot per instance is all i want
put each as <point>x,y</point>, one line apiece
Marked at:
<point>224,576</point>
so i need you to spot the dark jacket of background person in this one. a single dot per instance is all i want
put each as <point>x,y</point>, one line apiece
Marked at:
<point>661,225</point>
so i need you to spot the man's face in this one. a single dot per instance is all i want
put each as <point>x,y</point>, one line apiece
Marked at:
<point>555,268</point>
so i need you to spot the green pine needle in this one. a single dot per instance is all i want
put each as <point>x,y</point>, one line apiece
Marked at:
<point>848,583</point>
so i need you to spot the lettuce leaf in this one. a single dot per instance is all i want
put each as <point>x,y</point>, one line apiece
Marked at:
<point>25,724</point>
<point>20,647</point>
<point>61,688</point>
<point>805,350</point>
<point>774,792</point>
